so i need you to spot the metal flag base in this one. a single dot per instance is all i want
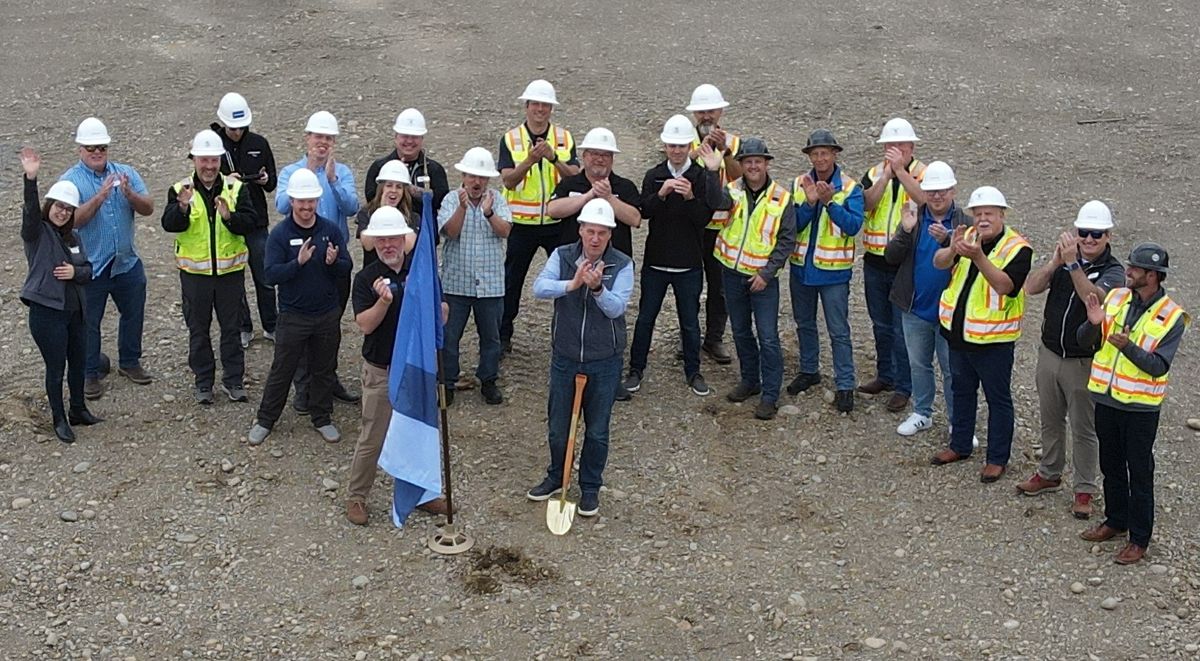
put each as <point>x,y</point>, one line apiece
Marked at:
<point>449,540</point>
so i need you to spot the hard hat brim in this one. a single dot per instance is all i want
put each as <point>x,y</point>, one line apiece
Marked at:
<point>537,98</point>
<point>608,148</point>
<point>989,203</point>
<point>700,107</point>
<point>305,195</point>
<point>399,231</point>
<point>90,142</point>
<point>806,149</point>
<point>208,152</point>
<point>892,139</point>
<point>408,130</point>
<point>610,224</point>
<point>941,186</point>
<point>1093,225</point>
<point>478,172</point>
<point>676,140</point>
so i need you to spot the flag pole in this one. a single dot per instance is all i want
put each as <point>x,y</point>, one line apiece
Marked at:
<point>448,540</point>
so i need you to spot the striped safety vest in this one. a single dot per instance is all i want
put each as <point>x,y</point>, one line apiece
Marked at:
<point>881,222</point>
<point>990,318</point>
<point>746,240</point>
<point>1116,375</point>
<point>720,216</point>
<point>834,249</point>
<point>207,247</point>
<point>528,200</point>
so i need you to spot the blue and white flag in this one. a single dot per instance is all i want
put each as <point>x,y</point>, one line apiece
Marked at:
<point>412,449</point>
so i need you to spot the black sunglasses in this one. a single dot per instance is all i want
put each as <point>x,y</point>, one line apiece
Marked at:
<point>1095,234</point>
<point>95,148</point>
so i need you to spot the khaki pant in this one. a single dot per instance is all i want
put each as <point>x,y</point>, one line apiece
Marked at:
<point>376,414</point>
<point>1063,394</point>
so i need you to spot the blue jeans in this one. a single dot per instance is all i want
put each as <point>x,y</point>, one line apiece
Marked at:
<point>924,339</point>
<point>891,358</point>
<point>687,286</point>
<point>598,396</point>
<point>835,302</point>
<point>760,360</point>
<point>487,323</point>
<point>992,369</point>
<point>264,294</point>
<point>128,291</point>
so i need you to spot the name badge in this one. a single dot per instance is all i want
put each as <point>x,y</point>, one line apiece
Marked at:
<point>422,180</point>
<point>74,250</point>
<point>296,242</point>
<point>574,194</point>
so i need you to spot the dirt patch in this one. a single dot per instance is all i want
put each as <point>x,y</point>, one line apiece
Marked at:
<point>494,565</point>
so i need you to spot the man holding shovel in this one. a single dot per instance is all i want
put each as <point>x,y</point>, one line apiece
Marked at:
<point>590,283</point>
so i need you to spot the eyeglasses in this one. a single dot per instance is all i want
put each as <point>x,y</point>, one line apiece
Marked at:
<point>1095,234</point>
<point>62,206</point>
<point>939,193</point>
<point>91,149</point>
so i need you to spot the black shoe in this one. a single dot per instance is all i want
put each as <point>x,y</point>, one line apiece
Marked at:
<point>743,392</point>
<point>300,404</point>
<point>623,395</point>
<point>82,416</point>
<point>844,400</point>
<point>802,382</point>
<point>491,393</point>
<point>765,410</point>
<point>506,346</point>
<point>62,429</point>
<point>589,503</point>
<point>105,365</point>
<point>203,396</point>
<point>633,380</point>
<point>718,352</point>
<point>449,396</point>
<point>342,395</point>
<point>698,386</point>
<point>544,490</point>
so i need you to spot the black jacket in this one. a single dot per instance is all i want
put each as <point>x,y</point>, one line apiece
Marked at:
<point>676,226</point>
<point>248,157</point>
<point>46,248</point>
<point>900,251</point>
<point>422,167</point>
<point>1065,312</point>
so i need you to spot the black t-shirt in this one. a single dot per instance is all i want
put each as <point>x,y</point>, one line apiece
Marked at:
<point>625,190</point>
<point>1017,270</point>
<point>377,346</point>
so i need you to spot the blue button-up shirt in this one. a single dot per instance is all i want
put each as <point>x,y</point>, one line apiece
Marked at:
<point>108,237</point>
<point>929,280</point>
<point>473,263</point>
<point>338,201</point>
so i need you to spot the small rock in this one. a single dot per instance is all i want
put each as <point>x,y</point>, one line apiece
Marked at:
<point>1011,624</point>
<point>899,646</point>
<point>875,643</point>
<point>186,538</point>
<point>797,599</point>
<point>360,655</point>
<point>1158,569</point>
<point>359,582</point>
<point>329,484</point>
<point>828,396</point>
<point>1109,603</point>
<point>168,398</point>
<point>899,553</point>
<point>1191,648</point>
<point>81,467</point>
<point>122,620</point>
<point>277,453</point>
<point>70,516</point>
<point>21,503</point>
<point>821,459</point>
<point>226,466</point>
<point>88,515</point>
<point>1194,423</point>
<point>1077,587</point>
<point>789,409</point>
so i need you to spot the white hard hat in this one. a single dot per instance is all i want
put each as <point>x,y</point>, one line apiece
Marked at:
<point>600,139</point>
<point>304,185</point>
<point>477,161</point>
<point>394,170</point>
<point>387,221</point>
<point>897,130</point>
<point>987,196</point>
<point>1094,215</point>
<point>64,191</point>
<point>706,97</point>
<point>678,131</point>
<point>598,212</point>
<point>233,111</point>
<point>322,122</point>
<point>207,143</point>
<point>92,131</point>
<point>541,91</point>
<point>938,176</point>
<point>410,121</point>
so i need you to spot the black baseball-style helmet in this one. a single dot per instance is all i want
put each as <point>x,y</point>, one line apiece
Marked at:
<point>754,147</point>
<point>1150,256</point>
<point>821,138</point>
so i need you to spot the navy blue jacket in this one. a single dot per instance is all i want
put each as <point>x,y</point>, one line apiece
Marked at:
<point>310,289</point>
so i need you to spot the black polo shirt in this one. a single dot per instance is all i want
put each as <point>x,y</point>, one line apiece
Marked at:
<point>625,190</point>
<point>377,346</point>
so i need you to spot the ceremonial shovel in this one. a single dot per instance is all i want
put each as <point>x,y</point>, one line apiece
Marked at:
<point>560,512</point>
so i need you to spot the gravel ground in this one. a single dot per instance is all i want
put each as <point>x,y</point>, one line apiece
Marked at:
<point>161,534</point>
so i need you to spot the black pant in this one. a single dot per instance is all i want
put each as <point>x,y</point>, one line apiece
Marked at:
<point>303,378</point>
<point>201,295</point>
<point>523,244</point>
<point>264,294</point>
<point>1127,461</point>
<point>715,315</point>
<point>314,339</point>
<point>61,336</point>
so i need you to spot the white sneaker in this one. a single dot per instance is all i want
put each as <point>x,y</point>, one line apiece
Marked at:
<point>974,439</point>
<point>246,338</point>
<point>915,423</point>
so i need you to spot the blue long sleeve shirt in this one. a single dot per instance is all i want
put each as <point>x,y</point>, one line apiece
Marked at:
<point>311,288</point>
<point>551,284</point>
<point>848,216</point>
<point>338,202</point>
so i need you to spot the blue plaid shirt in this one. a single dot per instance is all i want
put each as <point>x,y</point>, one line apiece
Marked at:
<point>473,264</point>
<point>108,237</point>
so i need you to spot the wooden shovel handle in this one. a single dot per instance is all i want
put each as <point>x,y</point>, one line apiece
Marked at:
<point>569,456</point>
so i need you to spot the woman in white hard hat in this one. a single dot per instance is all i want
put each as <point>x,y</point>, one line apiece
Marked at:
<point>58,268</point>
<point>394,189</point>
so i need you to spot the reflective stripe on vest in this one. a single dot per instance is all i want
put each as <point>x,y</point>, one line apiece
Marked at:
<point>989,318</point>
<point>720,216</point>
<point>835,249</point>
<point>881,222</point>
<point>528,201</point>
<point>745,244</point>
<point>1116,375</point>
<point>194,252</point>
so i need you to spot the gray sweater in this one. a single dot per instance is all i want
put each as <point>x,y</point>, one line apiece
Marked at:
<point>45,248</point>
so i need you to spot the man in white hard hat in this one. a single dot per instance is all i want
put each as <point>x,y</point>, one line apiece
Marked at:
<point>534,157</point>
<point>110,194</point>
<point>248,158</point>
<point>597,180</point>
<point>306,259</point>
<point>424,172</point>
<point>918,286</point>
<point>590,283</point>
<point>474,221</point>
<point>707,106</point>
<point>1082,263</point>
<point>377,297</point>
<point>210,216</point>
<point>339,201</point>
<point>980,312</point>
<point>678,201</point>
<point>888,186</point>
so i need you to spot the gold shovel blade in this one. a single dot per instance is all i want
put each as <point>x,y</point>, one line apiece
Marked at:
<point>560,512</point>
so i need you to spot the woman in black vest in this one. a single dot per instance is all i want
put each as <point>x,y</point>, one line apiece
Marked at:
<point>58,268</point>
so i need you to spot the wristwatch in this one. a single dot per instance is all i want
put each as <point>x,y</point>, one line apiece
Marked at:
<point>1074,266</point>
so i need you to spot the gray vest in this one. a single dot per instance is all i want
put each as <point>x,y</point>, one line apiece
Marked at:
<point>580,330</point>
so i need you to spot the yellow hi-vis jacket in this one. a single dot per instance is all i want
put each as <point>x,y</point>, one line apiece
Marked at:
<point>881,222</point>
<point>720,216</point>
<point>207,247</point>
<point>1116,375</point>
<point>746,241</point>
<point>834,248</point>
<point>989,318</point>
<point>528,200</point>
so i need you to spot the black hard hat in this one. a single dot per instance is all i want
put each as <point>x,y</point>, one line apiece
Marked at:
<point>1150,256</point>
<point>821,138</point>
<point>753,147</point>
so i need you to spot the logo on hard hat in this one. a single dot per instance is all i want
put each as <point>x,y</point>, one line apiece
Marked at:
<point>239,114</point>
<point>1154,257</point>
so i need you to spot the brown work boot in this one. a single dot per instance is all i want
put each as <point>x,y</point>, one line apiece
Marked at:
<point>897,402</point>
<point>93,389</point>
<point>1082,507</point>
<point>1038,485</point>
<point>992,472</point>
<point>1131,554</point>
<point>875,386</point>
<point>718,352</point>
<point>436,506</point>
<point>946,456</point>
<point>356,512</point>
<point>1101,532</point>
<point>135,374</point>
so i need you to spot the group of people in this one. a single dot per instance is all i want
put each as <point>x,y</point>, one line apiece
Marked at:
<point>941,281</point>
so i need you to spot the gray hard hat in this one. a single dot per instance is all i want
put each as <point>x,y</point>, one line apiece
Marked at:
<point>821,138</point>
<point>753,147</point>
<point>1150,256</point>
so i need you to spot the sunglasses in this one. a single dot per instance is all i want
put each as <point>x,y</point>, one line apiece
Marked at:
<point>91,149</point>
<point>1095,234</point>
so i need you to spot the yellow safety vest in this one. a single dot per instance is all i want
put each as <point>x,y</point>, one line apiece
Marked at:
<point>720,217</point>
<point>881,222</point>
<point>194,247</point>
<point>1115,374</point>
<point>990,318</point>
<point>745,243</point>
<point>835,249</point>
<point>528,200</point>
